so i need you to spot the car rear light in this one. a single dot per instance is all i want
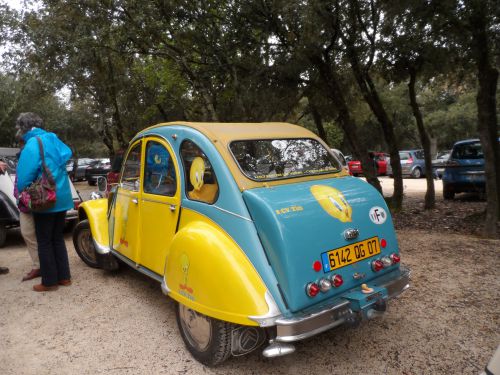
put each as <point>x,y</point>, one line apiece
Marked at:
<point>312,289</point>
<point>76,204</point>
<point>395,258</point>
<point>409,161</point>
<point>377,265</point>
<point>451,163</point>
<point>337,281</point>
<point>325,285</point>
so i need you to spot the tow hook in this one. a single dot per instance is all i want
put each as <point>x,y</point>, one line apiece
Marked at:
<point>377,309</point>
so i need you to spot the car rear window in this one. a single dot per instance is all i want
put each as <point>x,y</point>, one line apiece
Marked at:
<point>404,155</point>
<point>274,159</point>
<point>468,151</point>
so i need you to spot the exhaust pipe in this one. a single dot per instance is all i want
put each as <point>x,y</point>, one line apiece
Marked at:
<point>278,349</point>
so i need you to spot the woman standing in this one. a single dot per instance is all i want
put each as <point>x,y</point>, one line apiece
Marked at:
<point>49,224</point>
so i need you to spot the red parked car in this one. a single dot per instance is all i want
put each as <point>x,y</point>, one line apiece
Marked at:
<point>380,157</point>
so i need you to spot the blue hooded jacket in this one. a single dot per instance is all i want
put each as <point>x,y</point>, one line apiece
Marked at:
<point>56,155</point>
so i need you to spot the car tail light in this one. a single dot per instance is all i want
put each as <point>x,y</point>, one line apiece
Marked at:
<point>377,265</point>
<point>409,160</point>
<point>325,285</point>
<point>76,204</point>
<point>337,281</point>
<point>312,289</point>
<point>395,258</point>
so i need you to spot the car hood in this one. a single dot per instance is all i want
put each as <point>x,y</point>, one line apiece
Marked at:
<point>299,222</point>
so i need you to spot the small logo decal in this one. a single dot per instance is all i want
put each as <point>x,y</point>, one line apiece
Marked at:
<point>333,202</point>
<point>378,215</point>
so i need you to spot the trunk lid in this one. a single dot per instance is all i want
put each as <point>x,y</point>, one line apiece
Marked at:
<point>300,223</point>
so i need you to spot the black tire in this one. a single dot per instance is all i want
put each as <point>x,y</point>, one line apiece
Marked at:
<point>3,235</point>
<point>84,246</point>
<point>416,173</point>
<point>448,194</point>
<point>209,348</point>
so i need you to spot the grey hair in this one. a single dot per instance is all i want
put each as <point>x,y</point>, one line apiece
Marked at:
<point>27,121</point>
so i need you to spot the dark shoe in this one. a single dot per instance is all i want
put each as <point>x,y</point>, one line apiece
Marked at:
<point>34,273</point>
<point>43,288</point>
<point>4,270</point>
<point>65,282</point>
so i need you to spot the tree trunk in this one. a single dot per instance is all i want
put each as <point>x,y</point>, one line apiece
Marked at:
<point>370,94</point>
<point>318,121</point>
<point>430,195</point>
<point>487,76</point>
<point>347,123</point>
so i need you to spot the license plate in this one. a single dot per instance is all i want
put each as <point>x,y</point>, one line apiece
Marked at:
<point>343,256</point>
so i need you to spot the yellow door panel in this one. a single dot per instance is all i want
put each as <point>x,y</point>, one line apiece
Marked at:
<point>159,204</point>
<point>126,233</point>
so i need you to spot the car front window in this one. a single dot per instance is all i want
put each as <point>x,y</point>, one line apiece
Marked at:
<point>274,159</point>
<point>132,169</point>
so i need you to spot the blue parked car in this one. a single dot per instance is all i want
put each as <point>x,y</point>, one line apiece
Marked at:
<point>464,171</point>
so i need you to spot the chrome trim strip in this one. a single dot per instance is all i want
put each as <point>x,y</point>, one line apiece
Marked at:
<point>232,213</point>
<point>101,249</point>
<point>155,201</point>
<point>138,267</point>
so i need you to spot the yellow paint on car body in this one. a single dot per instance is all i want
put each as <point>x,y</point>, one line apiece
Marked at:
<point>207,271</point>
<point>97,215</point>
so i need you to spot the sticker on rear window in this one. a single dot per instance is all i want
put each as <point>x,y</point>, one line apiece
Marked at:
<point>378,215</point>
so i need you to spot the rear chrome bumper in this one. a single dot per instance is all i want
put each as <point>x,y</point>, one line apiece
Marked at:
<point>327,316</point>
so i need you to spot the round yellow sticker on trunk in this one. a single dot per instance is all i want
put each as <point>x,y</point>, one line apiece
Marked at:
<point>333,202</point>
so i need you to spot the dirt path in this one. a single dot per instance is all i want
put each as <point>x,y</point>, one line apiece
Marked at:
<point>120,323</point>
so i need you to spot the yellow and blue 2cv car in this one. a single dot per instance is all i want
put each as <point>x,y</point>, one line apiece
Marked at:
<point>254,230</point>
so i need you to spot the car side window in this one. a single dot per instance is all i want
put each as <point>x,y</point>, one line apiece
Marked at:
<point>132,169</point>
<point>159,172</point>
<point>201,182</point>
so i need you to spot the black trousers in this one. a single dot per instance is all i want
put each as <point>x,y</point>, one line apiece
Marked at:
<point>54,264</point>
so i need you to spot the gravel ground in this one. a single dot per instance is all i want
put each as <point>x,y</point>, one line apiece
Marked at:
<point>120,323</point>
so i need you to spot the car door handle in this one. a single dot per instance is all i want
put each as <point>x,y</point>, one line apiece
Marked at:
<point>135,200</point>
<point>173,207</point>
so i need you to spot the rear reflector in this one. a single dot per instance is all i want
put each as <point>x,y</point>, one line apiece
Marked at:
<point>317,266</point>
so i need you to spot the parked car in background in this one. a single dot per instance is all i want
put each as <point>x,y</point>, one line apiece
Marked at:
<point>380,158</point>
<point>100,168</point>
<point>79,167</point>
<point>412,164</point>
<point>254,230</point>
<point>439,162</point>
<point>464,170</point>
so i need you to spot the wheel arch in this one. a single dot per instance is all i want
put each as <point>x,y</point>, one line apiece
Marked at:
<point>95,211</point>
<point>208,272</point>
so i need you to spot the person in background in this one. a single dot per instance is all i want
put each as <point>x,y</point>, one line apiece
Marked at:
<point>49,224</point>
<point>3,168</point>
<point>27,225</point>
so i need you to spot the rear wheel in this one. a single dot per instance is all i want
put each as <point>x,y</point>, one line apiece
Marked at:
<point>448,194</point>
<point>84,246</point>
<point>207,339</point>
<point>417,173</point>
<point>3,235</point>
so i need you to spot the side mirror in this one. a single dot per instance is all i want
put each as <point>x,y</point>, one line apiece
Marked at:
<point>102,184</point>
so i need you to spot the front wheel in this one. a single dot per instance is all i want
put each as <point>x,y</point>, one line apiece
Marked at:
<point>84,246</point>
<point>207,339</point>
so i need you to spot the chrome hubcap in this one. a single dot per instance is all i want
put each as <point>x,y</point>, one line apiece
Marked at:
<point>197,328</point>
<point>86,245</point>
